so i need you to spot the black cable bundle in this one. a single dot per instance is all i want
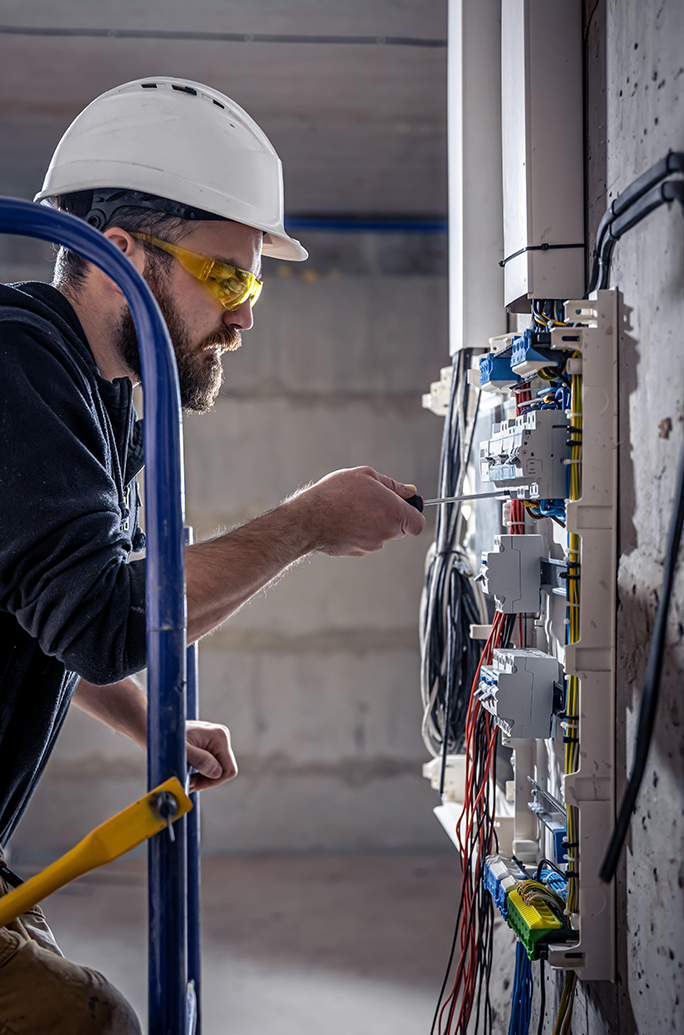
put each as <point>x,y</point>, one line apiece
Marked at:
<point>449,658</point>
<point>643,195</point>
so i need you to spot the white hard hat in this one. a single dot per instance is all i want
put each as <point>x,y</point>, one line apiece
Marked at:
<point>176,139</point>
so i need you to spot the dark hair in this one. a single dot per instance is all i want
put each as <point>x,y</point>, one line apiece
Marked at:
<point>71,269</point>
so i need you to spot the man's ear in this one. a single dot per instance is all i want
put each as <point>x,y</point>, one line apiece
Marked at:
<point>129,246</point>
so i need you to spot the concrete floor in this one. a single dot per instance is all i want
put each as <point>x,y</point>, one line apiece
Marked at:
<point>331,944</point>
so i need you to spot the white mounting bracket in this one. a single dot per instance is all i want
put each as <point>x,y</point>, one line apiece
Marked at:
<point>592,658</point>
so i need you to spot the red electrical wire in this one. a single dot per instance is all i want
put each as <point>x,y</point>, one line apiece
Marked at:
<point>481,732</point>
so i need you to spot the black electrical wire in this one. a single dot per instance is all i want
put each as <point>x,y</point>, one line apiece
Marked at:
<point>630,207</point>
<point>449,656</point>
<point>651,690</point>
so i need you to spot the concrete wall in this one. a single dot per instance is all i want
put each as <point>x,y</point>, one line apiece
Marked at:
<point>635,79</point>
<point>318,677</point>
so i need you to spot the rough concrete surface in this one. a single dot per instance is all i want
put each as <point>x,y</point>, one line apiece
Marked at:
<point>644,94</point>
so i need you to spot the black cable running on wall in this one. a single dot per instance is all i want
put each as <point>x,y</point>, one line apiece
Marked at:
<point>630,207</point>
<point>642,196</point>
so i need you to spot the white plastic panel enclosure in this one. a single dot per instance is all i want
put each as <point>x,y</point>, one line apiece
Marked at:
<point>542,148</point>
<point>592,658</point>
<point>476,309</point>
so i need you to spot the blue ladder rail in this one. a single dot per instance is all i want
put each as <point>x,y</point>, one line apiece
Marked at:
<point>169,944</point>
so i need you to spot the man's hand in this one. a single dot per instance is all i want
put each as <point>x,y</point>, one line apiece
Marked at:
<point>356,511</point>
<point>123,707</point>
<point>210,753</point>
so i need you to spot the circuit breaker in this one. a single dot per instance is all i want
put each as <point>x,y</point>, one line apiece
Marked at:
<point>512,573</point>
<point>518,690</point>
<point>529,451</point>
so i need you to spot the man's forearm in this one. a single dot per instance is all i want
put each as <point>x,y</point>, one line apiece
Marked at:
<point>348,513</point>
<point>223,573</point>
<point>122,706</point>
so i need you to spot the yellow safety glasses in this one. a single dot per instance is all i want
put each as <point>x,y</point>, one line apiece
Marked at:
<point>231,285</point>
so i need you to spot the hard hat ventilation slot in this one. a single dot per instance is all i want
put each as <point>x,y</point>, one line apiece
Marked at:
<point>184,89</point>
<point>219,105</point>
<point>149,86</point>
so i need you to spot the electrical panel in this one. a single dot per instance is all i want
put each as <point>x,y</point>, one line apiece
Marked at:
<point>545,683</point>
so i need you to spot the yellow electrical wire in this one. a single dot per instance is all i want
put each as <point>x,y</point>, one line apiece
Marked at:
<point>571,723</point>
<point>533,891</point>
<point>564,1018</point>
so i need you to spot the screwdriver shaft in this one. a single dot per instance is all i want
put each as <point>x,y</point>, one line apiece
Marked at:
<point>502,493</point>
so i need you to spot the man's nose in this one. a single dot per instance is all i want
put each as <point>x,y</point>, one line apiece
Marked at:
<point>240,317</point>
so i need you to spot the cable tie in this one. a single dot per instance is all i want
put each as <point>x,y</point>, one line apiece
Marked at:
<point>569,844</point>
<point>537,248</point>
<point>571,462</point>
<point>571,740</point>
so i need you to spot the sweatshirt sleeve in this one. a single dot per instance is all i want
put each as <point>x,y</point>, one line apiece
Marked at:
<point>64,553</point>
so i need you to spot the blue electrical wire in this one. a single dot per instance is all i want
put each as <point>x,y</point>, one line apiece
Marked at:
<point>555,882</point>
<point>523,987</point>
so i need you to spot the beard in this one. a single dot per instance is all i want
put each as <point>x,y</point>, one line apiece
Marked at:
<point>200,373</point>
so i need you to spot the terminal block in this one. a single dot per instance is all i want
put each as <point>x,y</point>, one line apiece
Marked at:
<point>533,924</point>
<point>531,352</point>
<point>495,370</point>
<point>518,690</point>
<point>512,573</point>
<point>528,451</point>
<point>500,875</point>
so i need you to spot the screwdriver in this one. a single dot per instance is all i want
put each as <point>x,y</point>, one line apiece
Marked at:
<point>418,502</point>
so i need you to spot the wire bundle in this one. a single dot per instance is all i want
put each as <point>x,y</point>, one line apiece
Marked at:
<point>476,838</point>
<point>523,987</point>
<point>535,891</point>
<point>564,1018</point>
<point>449,658</point>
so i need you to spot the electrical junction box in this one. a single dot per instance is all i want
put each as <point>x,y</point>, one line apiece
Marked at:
<point>529,452</point>
<point>512,573</point>
<point>476,306</point>
<point>518,690</point>
<point>542,150</point>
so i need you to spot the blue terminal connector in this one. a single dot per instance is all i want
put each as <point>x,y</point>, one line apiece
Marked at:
<point>560,853</point>
<point>495,370</point>
<point>531,352</point>
<point>499,876</point>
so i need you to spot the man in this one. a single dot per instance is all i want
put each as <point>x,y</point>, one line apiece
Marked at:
<point>186,184</point>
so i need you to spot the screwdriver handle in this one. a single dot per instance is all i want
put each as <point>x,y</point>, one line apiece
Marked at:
<point>415,501</point>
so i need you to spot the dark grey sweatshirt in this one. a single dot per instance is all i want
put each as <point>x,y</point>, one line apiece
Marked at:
<point>71,602</point>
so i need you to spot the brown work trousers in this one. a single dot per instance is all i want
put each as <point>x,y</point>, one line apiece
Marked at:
<point>42,993</point>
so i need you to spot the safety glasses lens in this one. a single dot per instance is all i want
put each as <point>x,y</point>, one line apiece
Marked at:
<point>234,291</point>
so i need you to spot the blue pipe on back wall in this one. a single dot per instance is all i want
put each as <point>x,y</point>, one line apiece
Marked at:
<point>165,592</point>
<point>341,224</point>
